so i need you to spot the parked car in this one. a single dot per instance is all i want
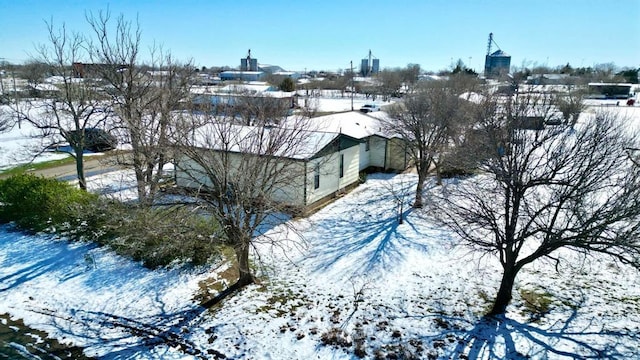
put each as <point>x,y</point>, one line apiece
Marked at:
<point>369,108</point>
<point>95,139</point>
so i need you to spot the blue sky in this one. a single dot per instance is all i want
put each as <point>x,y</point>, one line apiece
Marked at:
<point>328,34</point>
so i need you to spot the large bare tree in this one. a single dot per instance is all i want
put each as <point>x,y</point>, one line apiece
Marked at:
<point>426,120</point>
<point>74,105</point>
<point>246,175</point>
<point>546,188</point>
<point>143,97</point>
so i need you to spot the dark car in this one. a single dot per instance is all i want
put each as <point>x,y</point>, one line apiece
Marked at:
<point>95,139</point>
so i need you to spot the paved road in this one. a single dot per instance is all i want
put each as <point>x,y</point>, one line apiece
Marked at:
<point>93,165</point>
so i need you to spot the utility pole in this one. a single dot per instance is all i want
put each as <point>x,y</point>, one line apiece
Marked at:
<point>353,89</point>
<point>15,96</point>
<point>1,73</point>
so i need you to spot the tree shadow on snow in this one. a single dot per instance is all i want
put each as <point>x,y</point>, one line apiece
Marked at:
<point>366,236</point>
<point>498,337</point>
<point>125,337</point>
<point>45,258</point>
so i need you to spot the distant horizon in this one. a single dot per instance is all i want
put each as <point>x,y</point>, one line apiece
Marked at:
<point>329,36</point>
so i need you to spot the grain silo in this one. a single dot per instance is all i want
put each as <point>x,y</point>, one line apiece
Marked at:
<point>496,63</point>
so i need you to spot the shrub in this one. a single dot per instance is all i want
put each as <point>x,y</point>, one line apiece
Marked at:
<point>158,236</point>
<point>38,204</point>
<point>287,84</point>
<point>155,236</point>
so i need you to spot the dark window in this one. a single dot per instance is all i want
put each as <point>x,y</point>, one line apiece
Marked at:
<point>341,165</point>
<point>316,176</point>
<point>367,144</point>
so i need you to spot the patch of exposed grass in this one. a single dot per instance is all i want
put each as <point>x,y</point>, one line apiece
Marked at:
<point>283,301</point>
<point>210,287</point>
<point>536,302</point>
<point>21,169</point>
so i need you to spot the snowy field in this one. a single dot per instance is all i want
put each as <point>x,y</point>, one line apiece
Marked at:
<point>349,280</point>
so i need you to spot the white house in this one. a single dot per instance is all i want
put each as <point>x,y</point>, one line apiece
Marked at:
<point>378,150</point>
<point>324,164</point>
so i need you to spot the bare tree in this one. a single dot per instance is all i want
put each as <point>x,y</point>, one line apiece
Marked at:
<point>546,189</point>
<point>246,175</point>
<point>410,75</point>
<point>5,120</point>
<point>258,109</point>
<point>35,71</point>
<point>142,96</point>
<point>425,120</point>
<point>77,104</point>
<point>390,83</point>
<point>571,105</point>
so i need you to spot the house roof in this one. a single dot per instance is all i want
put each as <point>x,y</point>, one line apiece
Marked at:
<point>499,53</point>
<point>353,123</point>
<point>267,140</point>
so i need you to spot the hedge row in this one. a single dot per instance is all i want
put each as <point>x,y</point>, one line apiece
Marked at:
<point>155,236</point>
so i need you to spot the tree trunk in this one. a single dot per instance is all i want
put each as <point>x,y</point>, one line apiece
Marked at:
<point>503,298</point>
<point>82,181</point>
<point>242,255</point>
<point>417,203</point>
<point>438,175</point>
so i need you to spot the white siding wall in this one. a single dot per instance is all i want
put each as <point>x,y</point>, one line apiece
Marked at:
<point>364,156</point>
<point>330,181</point>
<point>377,151</point>
<point>190,175</point>
<point>375,156</point>
<point>397,157</point>
<point>293,193</point>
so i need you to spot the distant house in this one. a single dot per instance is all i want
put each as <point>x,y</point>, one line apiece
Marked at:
<point>241,94</point>
<point>609,91</point>
<point>327,164</point>
<point>85,70</point>
<point>290,74</point>
<point>548,79</point>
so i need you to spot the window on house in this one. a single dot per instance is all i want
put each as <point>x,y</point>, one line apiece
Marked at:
<point>341,166</point>
<point>367,144</point>
<point>316,176</point>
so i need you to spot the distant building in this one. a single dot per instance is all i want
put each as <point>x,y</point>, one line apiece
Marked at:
<point>241,75</point>
<point>83,70</point>
<point>609,91</point>
<point>248,63</point>
<point>290,74</point>
<point>375,67</point>
<point>496,64</point>
<point>548,79</point>
<point>369,65</point>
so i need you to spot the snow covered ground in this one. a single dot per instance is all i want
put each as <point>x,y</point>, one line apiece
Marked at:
<point>335,101</point>
<point>350,280</point>
<point>388,288</point>
<point>19,143</point>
